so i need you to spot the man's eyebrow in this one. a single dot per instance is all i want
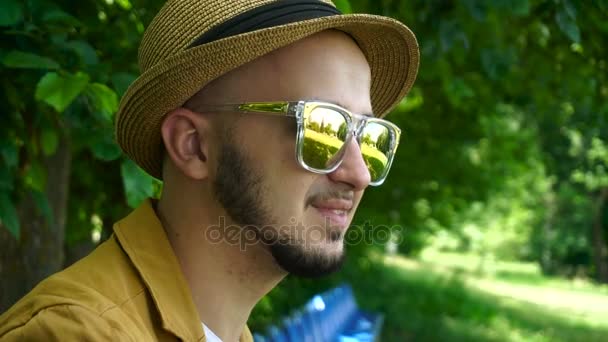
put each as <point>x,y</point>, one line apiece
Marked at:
<point>371,115</point>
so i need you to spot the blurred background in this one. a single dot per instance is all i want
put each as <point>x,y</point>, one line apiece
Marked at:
<point>495,221</point>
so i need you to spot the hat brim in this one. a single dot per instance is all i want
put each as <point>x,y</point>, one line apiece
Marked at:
<point>390,47</point>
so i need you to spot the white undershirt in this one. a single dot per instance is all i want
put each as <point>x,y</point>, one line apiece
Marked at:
<point>209,335</point>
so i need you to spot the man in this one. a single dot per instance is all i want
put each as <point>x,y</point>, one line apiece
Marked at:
<point>259,118</point>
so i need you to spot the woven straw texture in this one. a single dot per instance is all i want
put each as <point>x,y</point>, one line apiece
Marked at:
<point>172,72</point>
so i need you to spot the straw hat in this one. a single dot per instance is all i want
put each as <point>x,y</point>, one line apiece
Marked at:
<point>191,42</point>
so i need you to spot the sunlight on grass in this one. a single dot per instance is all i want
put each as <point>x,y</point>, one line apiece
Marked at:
<point>442,297</point>
<point>447,294</point>
<point>526,273</point>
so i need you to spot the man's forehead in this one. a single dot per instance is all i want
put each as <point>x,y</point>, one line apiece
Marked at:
<point>327,66</point>
<point>343,105</point>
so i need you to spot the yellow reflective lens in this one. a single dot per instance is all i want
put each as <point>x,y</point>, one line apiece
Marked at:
<point>375,142</point>
<point>325,131</point>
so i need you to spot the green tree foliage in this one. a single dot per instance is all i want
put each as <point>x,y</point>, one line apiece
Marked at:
<point>342,132</point>
<point>63,68</point>
<point>501,86</point>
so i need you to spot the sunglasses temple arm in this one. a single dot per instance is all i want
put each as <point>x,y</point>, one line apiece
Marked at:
<point>269,108</point>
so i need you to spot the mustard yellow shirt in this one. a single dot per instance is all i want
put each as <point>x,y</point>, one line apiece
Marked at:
<point>130,288</point>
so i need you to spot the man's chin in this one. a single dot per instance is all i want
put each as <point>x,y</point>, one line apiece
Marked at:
<point>296,261</point>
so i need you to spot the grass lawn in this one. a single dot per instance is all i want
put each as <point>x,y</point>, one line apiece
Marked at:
<point>443,297</point>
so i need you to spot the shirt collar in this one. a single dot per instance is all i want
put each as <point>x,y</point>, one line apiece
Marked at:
<point>143,238</point>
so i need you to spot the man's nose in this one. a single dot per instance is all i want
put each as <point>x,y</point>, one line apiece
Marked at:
<point>352,170</point>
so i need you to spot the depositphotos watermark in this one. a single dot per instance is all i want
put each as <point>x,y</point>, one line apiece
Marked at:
<point>296,233</point>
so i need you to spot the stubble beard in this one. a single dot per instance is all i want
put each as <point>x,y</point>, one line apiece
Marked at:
<point>239,189</point>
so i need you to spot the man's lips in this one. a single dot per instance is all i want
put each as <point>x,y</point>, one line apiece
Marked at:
<point>334,204</point>
<point>336,210</point>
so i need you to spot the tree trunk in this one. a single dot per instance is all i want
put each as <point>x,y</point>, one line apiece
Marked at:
<point>546,255</point>
<point>39,252</point>
<point>600,250</point>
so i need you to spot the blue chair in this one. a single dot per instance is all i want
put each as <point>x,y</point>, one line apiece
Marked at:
<point>259,338</point>
<point>276,335</point>
<point>328,317</point>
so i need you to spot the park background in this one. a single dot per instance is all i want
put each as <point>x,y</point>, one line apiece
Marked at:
<point>496,203</point>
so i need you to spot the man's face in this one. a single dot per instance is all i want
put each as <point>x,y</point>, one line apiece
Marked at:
<point>302,216</point>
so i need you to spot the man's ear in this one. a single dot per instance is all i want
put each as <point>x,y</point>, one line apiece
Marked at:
<point>186,137</point>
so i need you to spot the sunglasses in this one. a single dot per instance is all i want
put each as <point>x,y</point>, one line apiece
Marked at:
<point>324,129</point>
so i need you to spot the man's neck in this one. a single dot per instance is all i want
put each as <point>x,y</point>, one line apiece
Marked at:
<point>225,279</point>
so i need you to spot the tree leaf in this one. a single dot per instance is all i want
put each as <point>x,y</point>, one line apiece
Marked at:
<point>25,60</point>
<point>138,185</point>
<point>49,141</point>
<point>344,6</point>
<point>125,4</point>
<point>6,179</point>
<point>59,38</point>
<point>35,177</point>
<point>520,7</point>
<point>567,24</point>
<point>103,100</point>
<point>59,91</point>
<point>451,34</point>
<point>412,101</point>
<point>9,153</point>
<point>105,148</point>
<point>570,9</point>
<point>84,50</point>
<point>58,16</point>
<point>497,63</point>
<point>603,5</point>
<point>477,9</point>
<point>8,215</point>
<point>457,91</point>
<point>11,13</point>
<point>122,81</point>
<point>42,203</point>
